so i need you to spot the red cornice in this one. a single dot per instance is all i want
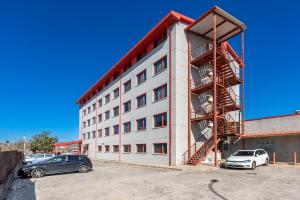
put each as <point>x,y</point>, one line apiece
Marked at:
<point>150,37</point>
<point>277,116</point>
<point>67,143</point>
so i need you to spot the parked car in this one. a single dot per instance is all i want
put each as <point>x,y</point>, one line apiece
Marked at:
<point>35,158</point>
<point>247,159</point>
<point>58,164</point>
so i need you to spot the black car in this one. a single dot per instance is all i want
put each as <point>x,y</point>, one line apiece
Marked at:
<point>56,165</point>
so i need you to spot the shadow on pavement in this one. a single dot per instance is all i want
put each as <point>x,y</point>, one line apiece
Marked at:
<point>22,189</point>
<point>210,186</point>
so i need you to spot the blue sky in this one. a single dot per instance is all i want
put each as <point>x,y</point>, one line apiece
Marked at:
<point>51,52</point>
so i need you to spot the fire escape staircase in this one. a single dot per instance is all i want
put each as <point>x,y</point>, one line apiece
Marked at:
<point>227,76</point>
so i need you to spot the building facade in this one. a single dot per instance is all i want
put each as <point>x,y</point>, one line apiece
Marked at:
<point>141,110</point>
<point>278,135</point>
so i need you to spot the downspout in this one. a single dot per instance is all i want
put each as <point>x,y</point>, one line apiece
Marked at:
<point>170,96</point>
<point>120,117</point>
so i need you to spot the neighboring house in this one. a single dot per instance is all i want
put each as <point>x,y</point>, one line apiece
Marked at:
<point>279,134</point>
<point>155,105</point>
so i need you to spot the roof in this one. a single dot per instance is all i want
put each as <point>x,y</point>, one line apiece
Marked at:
<point>67,143</point>
<point>227,25</point>
<point>151,36</point>
<point>158,31</point>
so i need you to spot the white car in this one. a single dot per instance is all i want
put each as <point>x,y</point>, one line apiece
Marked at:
<point>247,159</point>
<point>35,158</point>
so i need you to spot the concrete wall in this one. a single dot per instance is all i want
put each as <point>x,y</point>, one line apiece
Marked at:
<point>283,146</point>
<point>275,124</point>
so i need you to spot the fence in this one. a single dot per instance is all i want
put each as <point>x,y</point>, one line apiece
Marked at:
<point>8,161</point>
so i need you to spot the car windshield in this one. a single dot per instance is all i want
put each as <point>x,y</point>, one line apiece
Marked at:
<point>243,153</point>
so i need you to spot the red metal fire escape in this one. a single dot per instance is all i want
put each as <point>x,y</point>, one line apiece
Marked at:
<point>220,84</point>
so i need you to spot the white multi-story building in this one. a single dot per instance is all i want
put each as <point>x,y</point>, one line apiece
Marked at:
<point>142,109</point>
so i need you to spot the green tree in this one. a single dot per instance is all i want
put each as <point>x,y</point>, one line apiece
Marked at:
<point>42,142</point>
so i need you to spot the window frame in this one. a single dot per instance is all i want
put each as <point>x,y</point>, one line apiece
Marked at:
<point>117,125</point>
<point>125,132</point>
<point>124,86</point>
<point>163,121</point>
<point>129,103</point>
<point>127,145</point>
<point>142,73</point>
<point>144,124</point>
<point>162,148</point>
<point>107,128</point>
<point>164,65</point>
<point>118,94</point>
<point>117,148</point>
<point>144,100</point>
<point>107,98</point>
<point>144,148</point>
<point>164,88</point>
<point>114,109</point>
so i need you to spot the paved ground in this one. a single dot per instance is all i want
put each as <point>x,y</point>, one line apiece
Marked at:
<point>114,181</point>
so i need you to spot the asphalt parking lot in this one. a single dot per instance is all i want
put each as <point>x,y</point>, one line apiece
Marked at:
<point>115,181</point>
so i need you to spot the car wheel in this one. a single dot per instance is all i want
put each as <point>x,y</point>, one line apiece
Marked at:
<point>253,165</point>
<point>266,162</point>
<point>84,168</point>
<point>37,173</point>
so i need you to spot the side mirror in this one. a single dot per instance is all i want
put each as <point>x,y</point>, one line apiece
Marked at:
<point>256,155</point>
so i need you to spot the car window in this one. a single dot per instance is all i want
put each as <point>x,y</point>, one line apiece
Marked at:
<point>57,159</point>
<point>39,156</point>
<point>73,158</point>
<point>243,153</point>
<point>48,155</point>
<point>261,152</point>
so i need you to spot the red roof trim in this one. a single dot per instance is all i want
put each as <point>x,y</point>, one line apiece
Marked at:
<point>151,36</point>
<point>67,143</point>
<point>277,116</point>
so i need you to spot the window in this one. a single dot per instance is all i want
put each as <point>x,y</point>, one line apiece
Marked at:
<point>116,93</point>
<point>100,103</point>
<point>88,135</point>
<point>84,137</point>
<point>84,113</point>
<point>107,115</point>
<point>141,148</point>
<point>94,106</point>
<point>115,148</point>
<point>127,86</point>
<point>94,134</point>
<point>100,118</point>
<point>160,148</point>
<point>141,124</point>
<point>107,149</point>
<point>127,148</point>
<point>141,100</point>
<point>160,65</point>
<point>89,110</point>
<point>116,111</point>
<point>160,40</point>
<point>160,93</point>
<point>142,55</point>
<point>94,120</point>
<point>107,131</point>
<point>127,106</point>
<point>71,158</point>
<point>107,99</point>
<point>88,122</point>
<point>84,124</point>
<point>99,133</point>
<point>127,127</point>
<point>116,129</point>
<point>160,120</point>
<point>99,148</point>
<point>141,77</point>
